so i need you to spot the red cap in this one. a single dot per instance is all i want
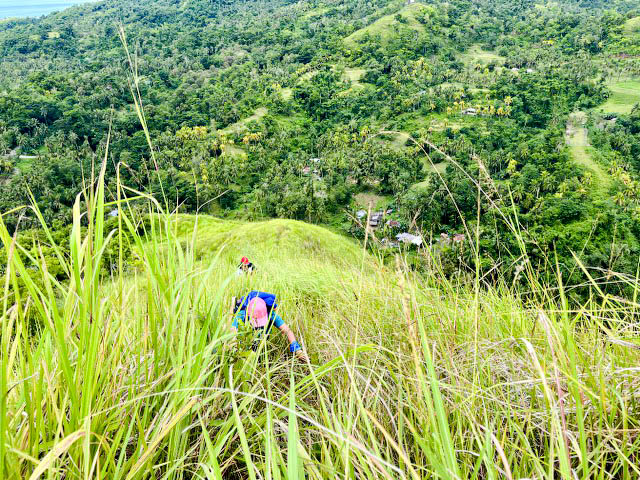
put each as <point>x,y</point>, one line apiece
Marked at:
<point>244,260</point>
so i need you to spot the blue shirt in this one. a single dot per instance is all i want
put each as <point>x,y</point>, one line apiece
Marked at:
<point>274,319</point>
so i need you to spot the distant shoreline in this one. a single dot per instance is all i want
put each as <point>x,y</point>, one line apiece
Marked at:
<point>37,8</point>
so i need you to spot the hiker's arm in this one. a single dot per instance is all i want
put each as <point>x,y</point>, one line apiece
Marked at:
<point>294,346</point>
<point>284,328</point>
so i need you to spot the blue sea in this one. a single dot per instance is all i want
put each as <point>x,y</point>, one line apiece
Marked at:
<point>34,8</point>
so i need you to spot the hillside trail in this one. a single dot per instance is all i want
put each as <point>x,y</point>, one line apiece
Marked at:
<point>577,139</point>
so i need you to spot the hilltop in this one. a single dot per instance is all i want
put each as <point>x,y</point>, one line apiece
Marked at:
<point>269,108</point>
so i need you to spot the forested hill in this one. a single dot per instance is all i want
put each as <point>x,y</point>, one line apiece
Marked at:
<point>280,107</point>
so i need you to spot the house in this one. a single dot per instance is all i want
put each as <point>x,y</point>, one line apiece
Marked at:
<point>470,111</point>
<point>393,223</point>
<point>409,238</point>
<point>375,219</point>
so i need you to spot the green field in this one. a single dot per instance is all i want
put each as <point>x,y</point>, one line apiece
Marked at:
<point>624,95</point>
<point>578,142</point>
<point>376,201</point>
<point>354,75</point>
<point>287,93</point>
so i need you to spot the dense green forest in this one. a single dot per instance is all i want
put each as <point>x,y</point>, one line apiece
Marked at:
<point>517,115</point>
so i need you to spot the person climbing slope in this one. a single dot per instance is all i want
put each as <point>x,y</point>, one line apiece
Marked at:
<point>245,267</point>
<point>260,309</point>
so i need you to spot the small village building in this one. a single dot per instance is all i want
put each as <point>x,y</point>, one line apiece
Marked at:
<point>376,219</point>
<point>408,238</point>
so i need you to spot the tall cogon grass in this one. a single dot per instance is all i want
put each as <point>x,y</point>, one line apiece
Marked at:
<point>132,375</point>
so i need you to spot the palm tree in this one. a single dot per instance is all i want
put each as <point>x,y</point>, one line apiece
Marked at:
<point>546,180</point>
<point>619,198</point>
<point>518,192</point>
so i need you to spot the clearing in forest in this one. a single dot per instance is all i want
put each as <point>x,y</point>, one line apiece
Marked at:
<point>476,55</point>
<point>385,25</point>
<point>399,142</point>
<point>354,75</point>
<point>578,143</point>
<point>376,201</point>
<point>238,127</point>
<point>624,95</point>
<point>632,25</point>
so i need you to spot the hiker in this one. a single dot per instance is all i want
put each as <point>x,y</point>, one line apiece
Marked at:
<point>260,309</point>
<point>245,267</point>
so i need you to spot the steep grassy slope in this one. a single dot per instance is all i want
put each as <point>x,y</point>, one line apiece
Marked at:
<point>410,376</point>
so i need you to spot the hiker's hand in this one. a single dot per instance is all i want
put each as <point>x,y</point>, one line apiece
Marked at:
<point>300,355</point>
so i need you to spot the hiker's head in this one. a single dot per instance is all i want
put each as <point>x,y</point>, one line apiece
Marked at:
<point>257,312</point>
<point>244,261</point>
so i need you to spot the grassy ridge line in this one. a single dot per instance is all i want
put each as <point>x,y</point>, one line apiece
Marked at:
<point>444,378</point>
<point>385,24</point>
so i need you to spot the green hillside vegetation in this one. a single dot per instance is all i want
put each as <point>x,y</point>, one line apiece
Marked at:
<point>410,376</point>
<point>241,98</point>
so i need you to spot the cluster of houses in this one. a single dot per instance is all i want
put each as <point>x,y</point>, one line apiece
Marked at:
<point>528,70</point>
<point>376,220</point>
<point>309,170</point>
